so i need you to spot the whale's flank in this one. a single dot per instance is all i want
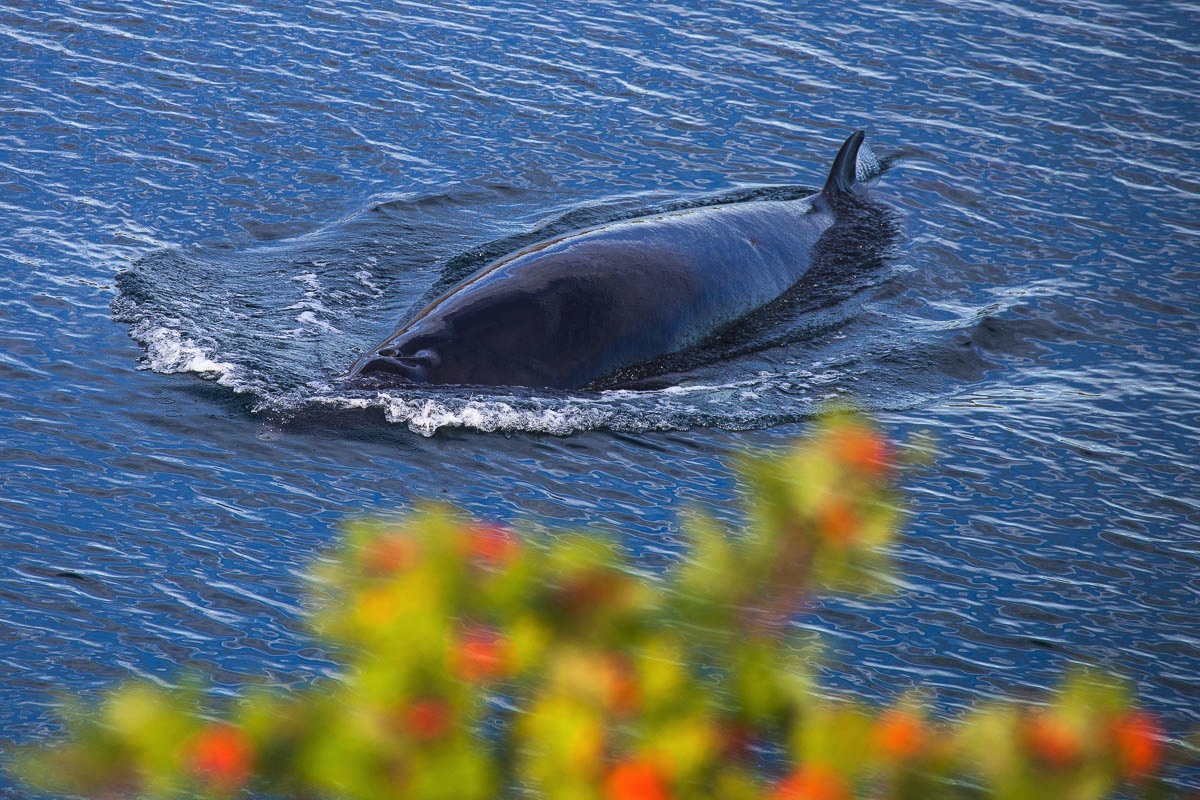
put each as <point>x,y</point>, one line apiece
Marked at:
<point>568,311</point>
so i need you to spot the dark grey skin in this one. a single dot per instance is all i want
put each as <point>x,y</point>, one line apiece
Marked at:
<point>564,312</point>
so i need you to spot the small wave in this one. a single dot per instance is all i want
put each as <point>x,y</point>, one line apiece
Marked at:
<point>621,411</point>
<point>723,397</point>
<point>427,416</point>
<point>168,351</point>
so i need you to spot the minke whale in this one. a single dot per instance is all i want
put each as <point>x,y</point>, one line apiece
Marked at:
<point>564,312</point>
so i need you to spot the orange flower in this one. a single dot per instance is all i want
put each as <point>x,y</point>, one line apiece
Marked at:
<point>427,719</point>
<point>1138,741</point>
<point>813,782</point>
<point>389,554</point>
<point>223,757</point>
<point>861,449</point>
<point>838,522</point>
<point>636,779</point>
<point>491,545</point>
<point>481,655</point>
<point>900,734</point>
<point>1052,740</point>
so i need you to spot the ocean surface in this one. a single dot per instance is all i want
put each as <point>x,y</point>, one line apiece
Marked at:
<point>209,210</point>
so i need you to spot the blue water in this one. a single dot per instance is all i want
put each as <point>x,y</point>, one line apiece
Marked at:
<point>265,191</point>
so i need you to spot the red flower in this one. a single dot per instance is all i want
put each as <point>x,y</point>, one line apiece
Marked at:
<point>813,782</point>
<point>389,554</point>
<point>427,719</point>
<point>900,734</point>
<point>861,449</point>
<point>838,522</point>
<point>1052,741</point>
<point>492,545</point>
<point>481,655</point>
<point>636,779</point>
<point>223,757</point>
<point>1138,741</point>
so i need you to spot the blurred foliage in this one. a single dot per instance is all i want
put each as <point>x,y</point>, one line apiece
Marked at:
<point>479,662</point>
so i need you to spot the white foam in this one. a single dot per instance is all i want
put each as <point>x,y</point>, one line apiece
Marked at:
<point>310,282</point>
<point>309,319</point>
<point>426,416</point>
<point>670,408</point>
<point>365,278</point>
<point>314,314</point>
<point>169,351</point>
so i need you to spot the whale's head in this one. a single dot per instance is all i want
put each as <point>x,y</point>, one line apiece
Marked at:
<point>399,362</point>
<point>500,338</point>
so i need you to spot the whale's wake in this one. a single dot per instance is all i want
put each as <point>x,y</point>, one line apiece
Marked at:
<point>279,322</point>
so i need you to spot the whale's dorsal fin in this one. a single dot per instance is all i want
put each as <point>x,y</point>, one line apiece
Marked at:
<point>842,175</point>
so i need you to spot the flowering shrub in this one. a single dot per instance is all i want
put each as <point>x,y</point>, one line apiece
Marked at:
<point>481,663</point>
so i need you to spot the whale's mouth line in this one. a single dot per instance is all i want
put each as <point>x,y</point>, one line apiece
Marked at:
<point>376,367</point>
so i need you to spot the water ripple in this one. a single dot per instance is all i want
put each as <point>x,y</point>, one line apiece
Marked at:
<point>286,182</point>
